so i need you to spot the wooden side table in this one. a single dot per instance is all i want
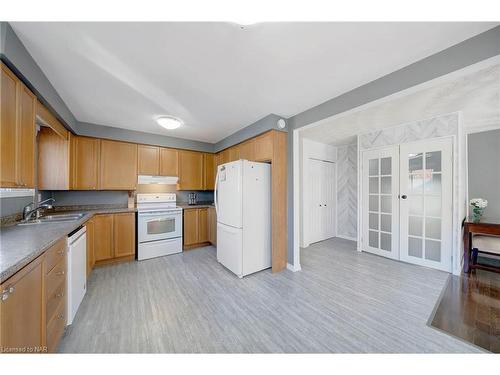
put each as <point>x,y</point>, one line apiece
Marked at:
<point>485,226</point>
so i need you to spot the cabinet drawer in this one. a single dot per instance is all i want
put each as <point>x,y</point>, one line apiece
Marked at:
<point>55,327</point>
<point>55,277</point>
<point>54,255</point>
<point>54,299</point>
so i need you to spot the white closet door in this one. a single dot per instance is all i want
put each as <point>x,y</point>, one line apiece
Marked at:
<point>329,199</point>
<point>380,189</point>
<point>315,199</point>
<point>426,203</point>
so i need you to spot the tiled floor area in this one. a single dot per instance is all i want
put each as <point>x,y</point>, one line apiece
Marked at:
<point>341,301</point>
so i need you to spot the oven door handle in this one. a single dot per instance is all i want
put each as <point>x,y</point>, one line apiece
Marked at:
<point>163,215</point>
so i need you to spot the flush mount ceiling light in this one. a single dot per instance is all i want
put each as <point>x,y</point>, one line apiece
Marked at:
<point>169,122</point>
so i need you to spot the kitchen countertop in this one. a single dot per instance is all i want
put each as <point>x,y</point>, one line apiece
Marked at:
<point>21,244</point>
<point>201,204</point>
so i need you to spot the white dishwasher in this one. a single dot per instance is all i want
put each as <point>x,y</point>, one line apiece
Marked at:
<point>77,271</point>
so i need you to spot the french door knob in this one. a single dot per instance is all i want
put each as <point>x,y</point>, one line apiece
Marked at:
<point>404,196</point>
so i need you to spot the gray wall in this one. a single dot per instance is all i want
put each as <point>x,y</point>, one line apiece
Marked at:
<point>484,169</point>
<point>99,131</point>
<point>264,124</point>
<point>15,55</point>
<point>461,55</point>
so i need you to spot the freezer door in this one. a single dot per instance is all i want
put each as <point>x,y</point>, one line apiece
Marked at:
<point>229,194</point>
<point>230,248</point>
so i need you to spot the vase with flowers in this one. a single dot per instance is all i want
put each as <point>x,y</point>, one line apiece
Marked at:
<point>478,205</point>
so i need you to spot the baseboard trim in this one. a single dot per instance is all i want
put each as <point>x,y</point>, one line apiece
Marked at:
<point>347,238</point>
<point>293,268</point>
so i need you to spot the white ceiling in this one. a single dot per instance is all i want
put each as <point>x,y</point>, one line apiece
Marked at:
<point>217,77</point>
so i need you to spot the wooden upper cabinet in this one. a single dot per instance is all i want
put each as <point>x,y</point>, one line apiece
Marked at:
<point>118,165</point>
<point>234,153</point>
<point>264,147</point>
<point>190,170</point>
<point>53,160</point>
<point>85,163</point>
<point>209,171</point>
<point>124,234</point>
<point>27,133</point>
<point>103,237</point>
<point>22,309</point>
<point>169,162</point>
<point>148,160</point>
<point>222,157</point>
<point>247,150</point>
<point>17,132</point>
<point>8,128</point>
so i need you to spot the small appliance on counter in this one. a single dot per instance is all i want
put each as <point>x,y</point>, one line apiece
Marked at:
<point>159,225</point>
<point>192,200</point>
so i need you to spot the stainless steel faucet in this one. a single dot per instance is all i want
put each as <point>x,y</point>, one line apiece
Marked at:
<point>28,211</point>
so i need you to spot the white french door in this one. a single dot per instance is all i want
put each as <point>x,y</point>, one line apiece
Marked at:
<point>322,196</point>
<point>380,196</point>
<point>407,202</point>
<point>426,203</point>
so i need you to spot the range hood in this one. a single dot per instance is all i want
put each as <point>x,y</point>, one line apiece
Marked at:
<point>162,180</point>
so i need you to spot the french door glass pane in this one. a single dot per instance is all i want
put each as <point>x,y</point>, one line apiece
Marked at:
<point>415,162</point>
<point>433,250</point>
<point>373,239</point>
<point>433,184</point>
<point>385,166</point>
<point>373,185</point>
<point>386,203</point>
<point>415,226</point>
<point>415,247</point>
<point>433,205</point>
<point>433,228</point>
<point>433,161</point>
<point>415,184</point>
<point>416,205</point>
<point>373,204</point>
<point>385,184</point>
<point>385,222</point>
<point>385,241</point>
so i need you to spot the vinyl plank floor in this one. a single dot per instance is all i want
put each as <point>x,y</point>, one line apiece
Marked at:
<point>342,301</point>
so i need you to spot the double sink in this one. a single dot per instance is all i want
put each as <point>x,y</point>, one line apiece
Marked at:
<point>61,218</point>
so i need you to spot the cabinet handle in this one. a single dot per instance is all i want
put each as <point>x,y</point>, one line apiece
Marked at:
<point>12,289</point>
<point>60,252</point>
<point>5,296</point>
<point>60,316</point>
<point>59,295</point>
<point>61,273</point>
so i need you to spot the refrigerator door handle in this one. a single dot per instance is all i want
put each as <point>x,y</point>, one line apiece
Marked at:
<point>215,192</point>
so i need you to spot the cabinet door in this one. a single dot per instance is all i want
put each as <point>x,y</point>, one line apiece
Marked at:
<point>53,160</point>
<point>85,165</point>
<point>118,165</point>
<point>190,226</point>
<point>148,160</point>
<point>124,234</point>
<point>103,237</point>
<point>90,246</point>
<point>202,225</point>
<point>247,150</point>
<point>264,147</point>
<point>234,153</point>
<point>26,163</point>
<point>8,128</point>
<point>21,309</point>
<point>209,172</point>
<point>190,170</point>
<point>169,162</point>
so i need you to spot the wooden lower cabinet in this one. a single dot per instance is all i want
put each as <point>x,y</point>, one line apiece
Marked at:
<point>114,237</point>
<point>195,227</point>
<point>90,245</point>
<point>22,324</point>
<point>212,226</point>
<point>33,304</point>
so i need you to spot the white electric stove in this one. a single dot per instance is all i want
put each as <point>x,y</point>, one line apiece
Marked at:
<point>159,225</point>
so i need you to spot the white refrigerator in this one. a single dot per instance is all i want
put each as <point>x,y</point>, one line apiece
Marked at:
<point>243,205</point>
